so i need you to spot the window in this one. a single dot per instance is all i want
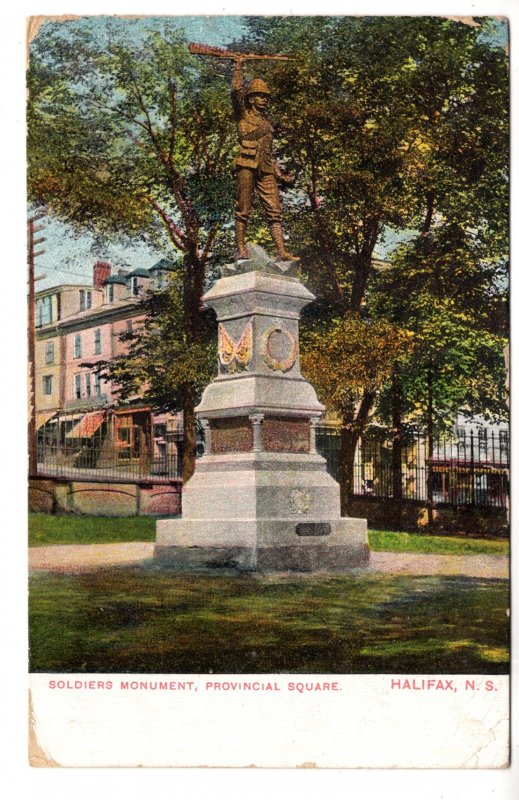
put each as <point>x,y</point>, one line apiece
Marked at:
<point>88,384</point>
<point>77,386</point>
<point>159,281</point>
<point>129,326</point>
<point>77,345</point>
<point>97,341</point>
<point>503,445</point>
<point>49,353</point>
<point>128,439</point>
<point>111,294</point>
<point>47,384</point>
<point>43,311</point>
<point>85,299</point>
<point>135,286</point>
<point>97,385</point>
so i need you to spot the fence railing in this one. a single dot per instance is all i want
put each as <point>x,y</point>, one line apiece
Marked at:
<point>89,447</point>
<point>463,468</point>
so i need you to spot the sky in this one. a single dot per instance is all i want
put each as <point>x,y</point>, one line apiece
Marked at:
<point>68,257</point>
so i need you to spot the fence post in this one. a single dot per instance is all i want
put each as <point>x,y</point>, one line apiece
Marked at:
<point>472,471</point>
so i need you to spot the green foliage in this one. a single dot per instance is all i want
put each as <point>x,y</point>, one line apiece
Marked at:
<point>111,127</point>
<point>389,124</point>
<point>349,357</point>
<point>452,301</point>
<point>382,119</point>
<point>161,358</point>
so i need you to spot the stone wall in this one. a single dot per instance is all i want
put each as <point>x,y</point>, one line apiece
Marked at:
<point>62,495</point>
<point>165,499</point>
<point>411,515</point>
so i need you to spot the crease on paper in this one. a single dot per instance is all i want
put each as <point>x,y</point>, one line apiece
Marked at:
<point>38,756</point>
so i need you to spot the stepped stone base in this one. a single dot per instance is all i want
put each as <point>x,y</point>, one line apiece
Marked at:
<point>261,498</point>
<point>269,545</point>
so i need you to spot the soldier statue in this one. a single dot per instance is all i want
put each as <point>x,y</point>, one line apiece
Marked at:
<point>256,166</point>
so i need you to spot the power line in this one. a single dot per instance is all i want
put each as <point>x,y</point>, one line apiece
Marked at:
<point>68,272</point>
<point>82,274</point>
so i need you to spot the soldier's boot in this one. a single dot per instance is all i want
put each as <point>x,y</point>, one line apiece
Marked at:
<point>241,247</point>
<point>282,253</point>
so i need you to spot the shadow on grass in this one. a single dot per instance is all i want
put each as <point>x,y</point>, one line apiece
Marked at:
<point>152,621</point>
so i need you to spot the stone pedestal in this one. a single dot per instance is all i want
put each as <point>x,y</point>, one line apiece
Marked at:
<point>261,497</point>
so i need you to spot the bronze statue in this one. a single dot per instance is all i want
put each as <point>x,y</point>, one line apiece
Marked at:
<point>256,166</point>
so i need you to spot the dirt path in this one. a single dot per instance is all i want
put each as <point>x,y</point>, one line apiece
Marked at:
<point>88,557</point>
<point>476,566</point>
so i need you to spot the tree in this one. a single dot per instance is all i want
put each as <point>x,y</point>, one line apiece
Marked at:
<point>134,136</point>
<point>348,363</point>
<point>451,299</point>
<point>390,124</point>
<point>160,359</point>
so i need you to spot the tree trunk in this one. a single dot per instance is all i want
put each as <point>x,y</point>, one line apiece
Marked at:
<point>396,456</point>
<point>360,281</point>
<point>348,446</point>
<point>354,422</point>
<point>430,449</point>
<point>189,452</point>
<point>193,290</point>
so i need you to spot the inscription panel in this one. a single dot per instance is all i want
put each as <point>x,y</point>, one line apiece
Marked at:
<point>231,435</point>
<point>313,529</point>
<point>284,435</point>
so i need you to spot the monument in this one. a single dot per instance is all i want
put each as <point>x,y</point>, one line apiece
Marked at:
<point>261,497</point>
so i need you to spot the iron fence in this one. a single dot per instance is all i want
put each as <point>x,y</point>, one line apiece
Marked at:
<point>467,467</point>
<point>462,468</point>
<point>92,447</point>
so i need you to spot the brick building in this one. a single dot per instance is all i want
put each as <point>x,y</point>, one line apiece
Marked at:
<point>76,419</point>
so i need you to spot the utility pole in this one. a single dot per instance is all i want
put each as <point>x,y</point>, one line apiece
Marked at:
<point>32,254</point>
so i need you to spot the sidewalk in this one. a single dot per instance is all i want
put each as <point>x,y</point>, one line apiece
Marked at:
<point>476,566</point>
<point>89,557</point>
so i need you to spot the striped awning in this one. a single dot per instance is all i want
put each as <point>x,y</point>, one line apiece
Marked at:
<point>44,417</point>
<point>70,417</point>
<point>87,426</point>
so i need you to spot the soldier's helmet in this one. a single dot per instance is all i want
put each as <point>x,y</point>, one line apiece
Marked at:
<point>257,86</point>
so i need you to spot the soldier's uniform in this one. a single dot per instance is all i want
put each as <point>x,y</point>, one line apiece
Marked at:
<point>256,167</point>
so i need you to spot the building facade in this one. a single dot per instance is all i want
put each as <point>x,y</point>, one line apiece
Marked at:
<point>79,426</point>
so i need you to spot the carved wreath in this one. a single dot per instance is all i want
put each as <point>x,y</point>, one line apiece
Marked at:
<point>283,364</point>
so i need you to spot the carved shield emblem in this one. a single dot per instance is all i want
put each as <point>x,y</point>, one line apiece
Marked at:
<point>300,501</point>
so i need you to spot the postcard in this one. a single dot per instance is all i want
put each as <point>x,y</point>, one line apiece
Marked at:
<point>269,391</point>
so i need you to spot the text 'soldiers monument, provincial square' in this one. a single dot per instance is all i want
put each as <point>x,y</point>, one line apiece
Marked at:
<point>261,497</point>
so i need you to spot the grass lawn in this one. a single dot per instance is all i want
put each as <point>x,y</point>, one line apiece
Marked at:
<point>45,529</point>
<point>398,542</point>
<point>146,619</point>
